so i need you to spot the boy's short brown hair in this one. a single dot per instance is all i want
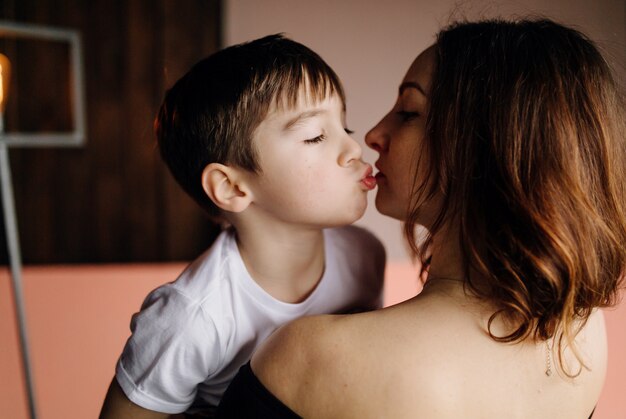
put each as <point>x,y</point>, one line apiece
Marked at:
<point>211,113</point>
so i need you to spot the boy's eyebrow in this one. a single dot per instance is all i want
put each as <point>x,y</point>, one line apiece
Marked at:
<point>410,84</point>
<point>302,116</point>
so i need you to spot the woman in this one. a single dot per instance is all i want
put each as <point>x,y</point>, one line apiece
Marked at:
<point>506,144</point>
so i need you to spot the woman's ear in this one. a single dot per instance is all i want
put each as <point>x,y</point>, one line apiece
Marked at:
<point>226,187</point>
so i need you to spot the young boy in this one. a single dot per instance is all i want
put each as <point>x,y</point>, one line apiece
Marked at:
<point>256,135</point>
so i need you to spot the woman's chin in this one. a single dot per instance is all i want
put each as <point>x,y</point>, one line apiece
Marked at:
<point>384,208</point>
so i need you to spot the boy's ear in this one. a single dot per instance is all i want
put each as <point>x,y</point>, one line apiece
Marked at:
<point>226,187</point>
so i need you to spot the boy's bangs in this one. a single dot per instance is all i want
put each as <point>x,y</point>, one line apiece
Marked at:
<point>307,82</point>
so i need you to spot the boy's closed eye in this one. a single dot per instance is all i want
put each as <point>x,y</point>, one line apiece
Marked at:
<point>322,137</point>
<point>315,140</point>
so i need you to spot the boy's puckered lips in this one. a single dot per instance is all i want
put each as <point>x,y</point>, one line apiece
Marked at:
<point>368,181</point>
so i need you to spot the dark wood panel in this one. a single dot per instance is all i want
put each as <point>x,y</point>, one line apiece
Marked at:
<point>113,200</point>
<point>140,156</point>
<point>179,54</point>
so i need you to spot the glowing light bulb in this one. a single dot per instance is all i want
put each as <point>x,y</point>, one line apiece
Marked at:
<point>5,75</point>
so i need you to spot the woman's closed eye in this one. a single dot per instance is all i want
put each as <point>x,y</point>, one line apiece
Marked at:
<point>407,115</point>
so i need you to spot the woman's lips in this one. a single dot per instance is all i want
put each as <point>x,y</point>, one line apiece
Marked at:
<point>380,177</point>
<point>368,181</point>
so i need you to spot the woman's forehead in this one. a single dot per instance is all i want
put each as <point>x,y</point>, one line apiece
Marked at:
<point>422,69</point>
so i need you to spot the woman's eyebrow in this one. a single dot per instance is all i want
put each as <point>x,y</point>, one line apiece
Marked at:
<point>413,85</point>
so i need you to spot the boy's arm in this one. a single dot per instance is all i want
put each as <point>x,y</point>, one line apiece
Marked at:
<point>117,406</point>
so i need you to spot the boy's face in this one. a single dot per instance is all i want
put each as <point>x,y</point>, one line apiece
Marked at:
<point>311,169</point>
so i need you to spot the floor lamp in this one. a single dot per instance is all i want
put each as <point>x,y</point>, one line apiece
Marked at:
<point>39,139</point>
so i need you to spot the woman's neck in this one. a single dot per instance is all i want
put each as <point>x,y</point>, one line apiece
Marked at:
<point>449,262</point>
<point>447,258</point>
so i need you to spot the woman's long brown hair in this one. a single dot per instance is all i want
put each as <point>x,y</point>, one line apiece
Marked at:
<point>526,146</point>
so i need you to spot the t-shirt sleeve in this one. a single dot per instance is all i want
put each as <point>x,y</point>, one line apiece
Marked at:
<point>173,348</point>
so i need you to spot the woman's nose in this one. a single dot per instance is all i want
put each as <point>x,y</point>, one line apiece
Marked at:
<point>376,139</point>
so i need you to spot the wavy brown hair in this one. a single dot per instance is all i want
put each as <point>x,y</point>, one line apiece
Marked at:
<point>526,144</point>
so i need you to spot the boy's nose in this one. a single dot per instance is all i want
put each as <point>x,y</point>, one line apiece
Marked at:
<point>351,152</point>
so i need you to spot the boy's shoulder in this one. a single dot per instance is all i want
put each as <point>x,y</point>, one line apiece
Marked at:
<point>197,300</point>
<point>204,275</point>
<point>200,283</point>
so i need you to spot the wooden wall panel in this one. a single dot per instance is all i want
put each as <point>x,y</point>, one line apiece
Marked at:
<point>112,200</point>
<point>179,49</point>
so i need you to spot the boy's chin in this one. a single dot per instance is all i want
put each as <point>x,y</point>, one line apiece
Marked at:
<point>352,218</point>
<point>359,215</point>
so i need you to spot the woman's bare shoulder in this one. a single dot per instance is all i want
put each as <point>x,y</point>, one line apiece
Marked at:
<point>421,358</point>
<point>316,340</point>
<point>289,344</point>
<point>341,366</point>
<point>290,360</point>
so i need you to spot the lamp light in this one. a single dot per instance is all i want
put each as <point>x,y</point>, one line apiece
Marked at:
<point>5,76</point>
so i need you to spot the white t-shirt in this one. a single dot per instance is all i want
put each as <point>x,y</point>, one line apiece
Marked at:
<point>192,335</point>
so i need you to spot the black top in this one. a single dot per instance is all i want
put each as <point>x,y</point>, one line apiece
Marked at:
<point>247,397</point>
